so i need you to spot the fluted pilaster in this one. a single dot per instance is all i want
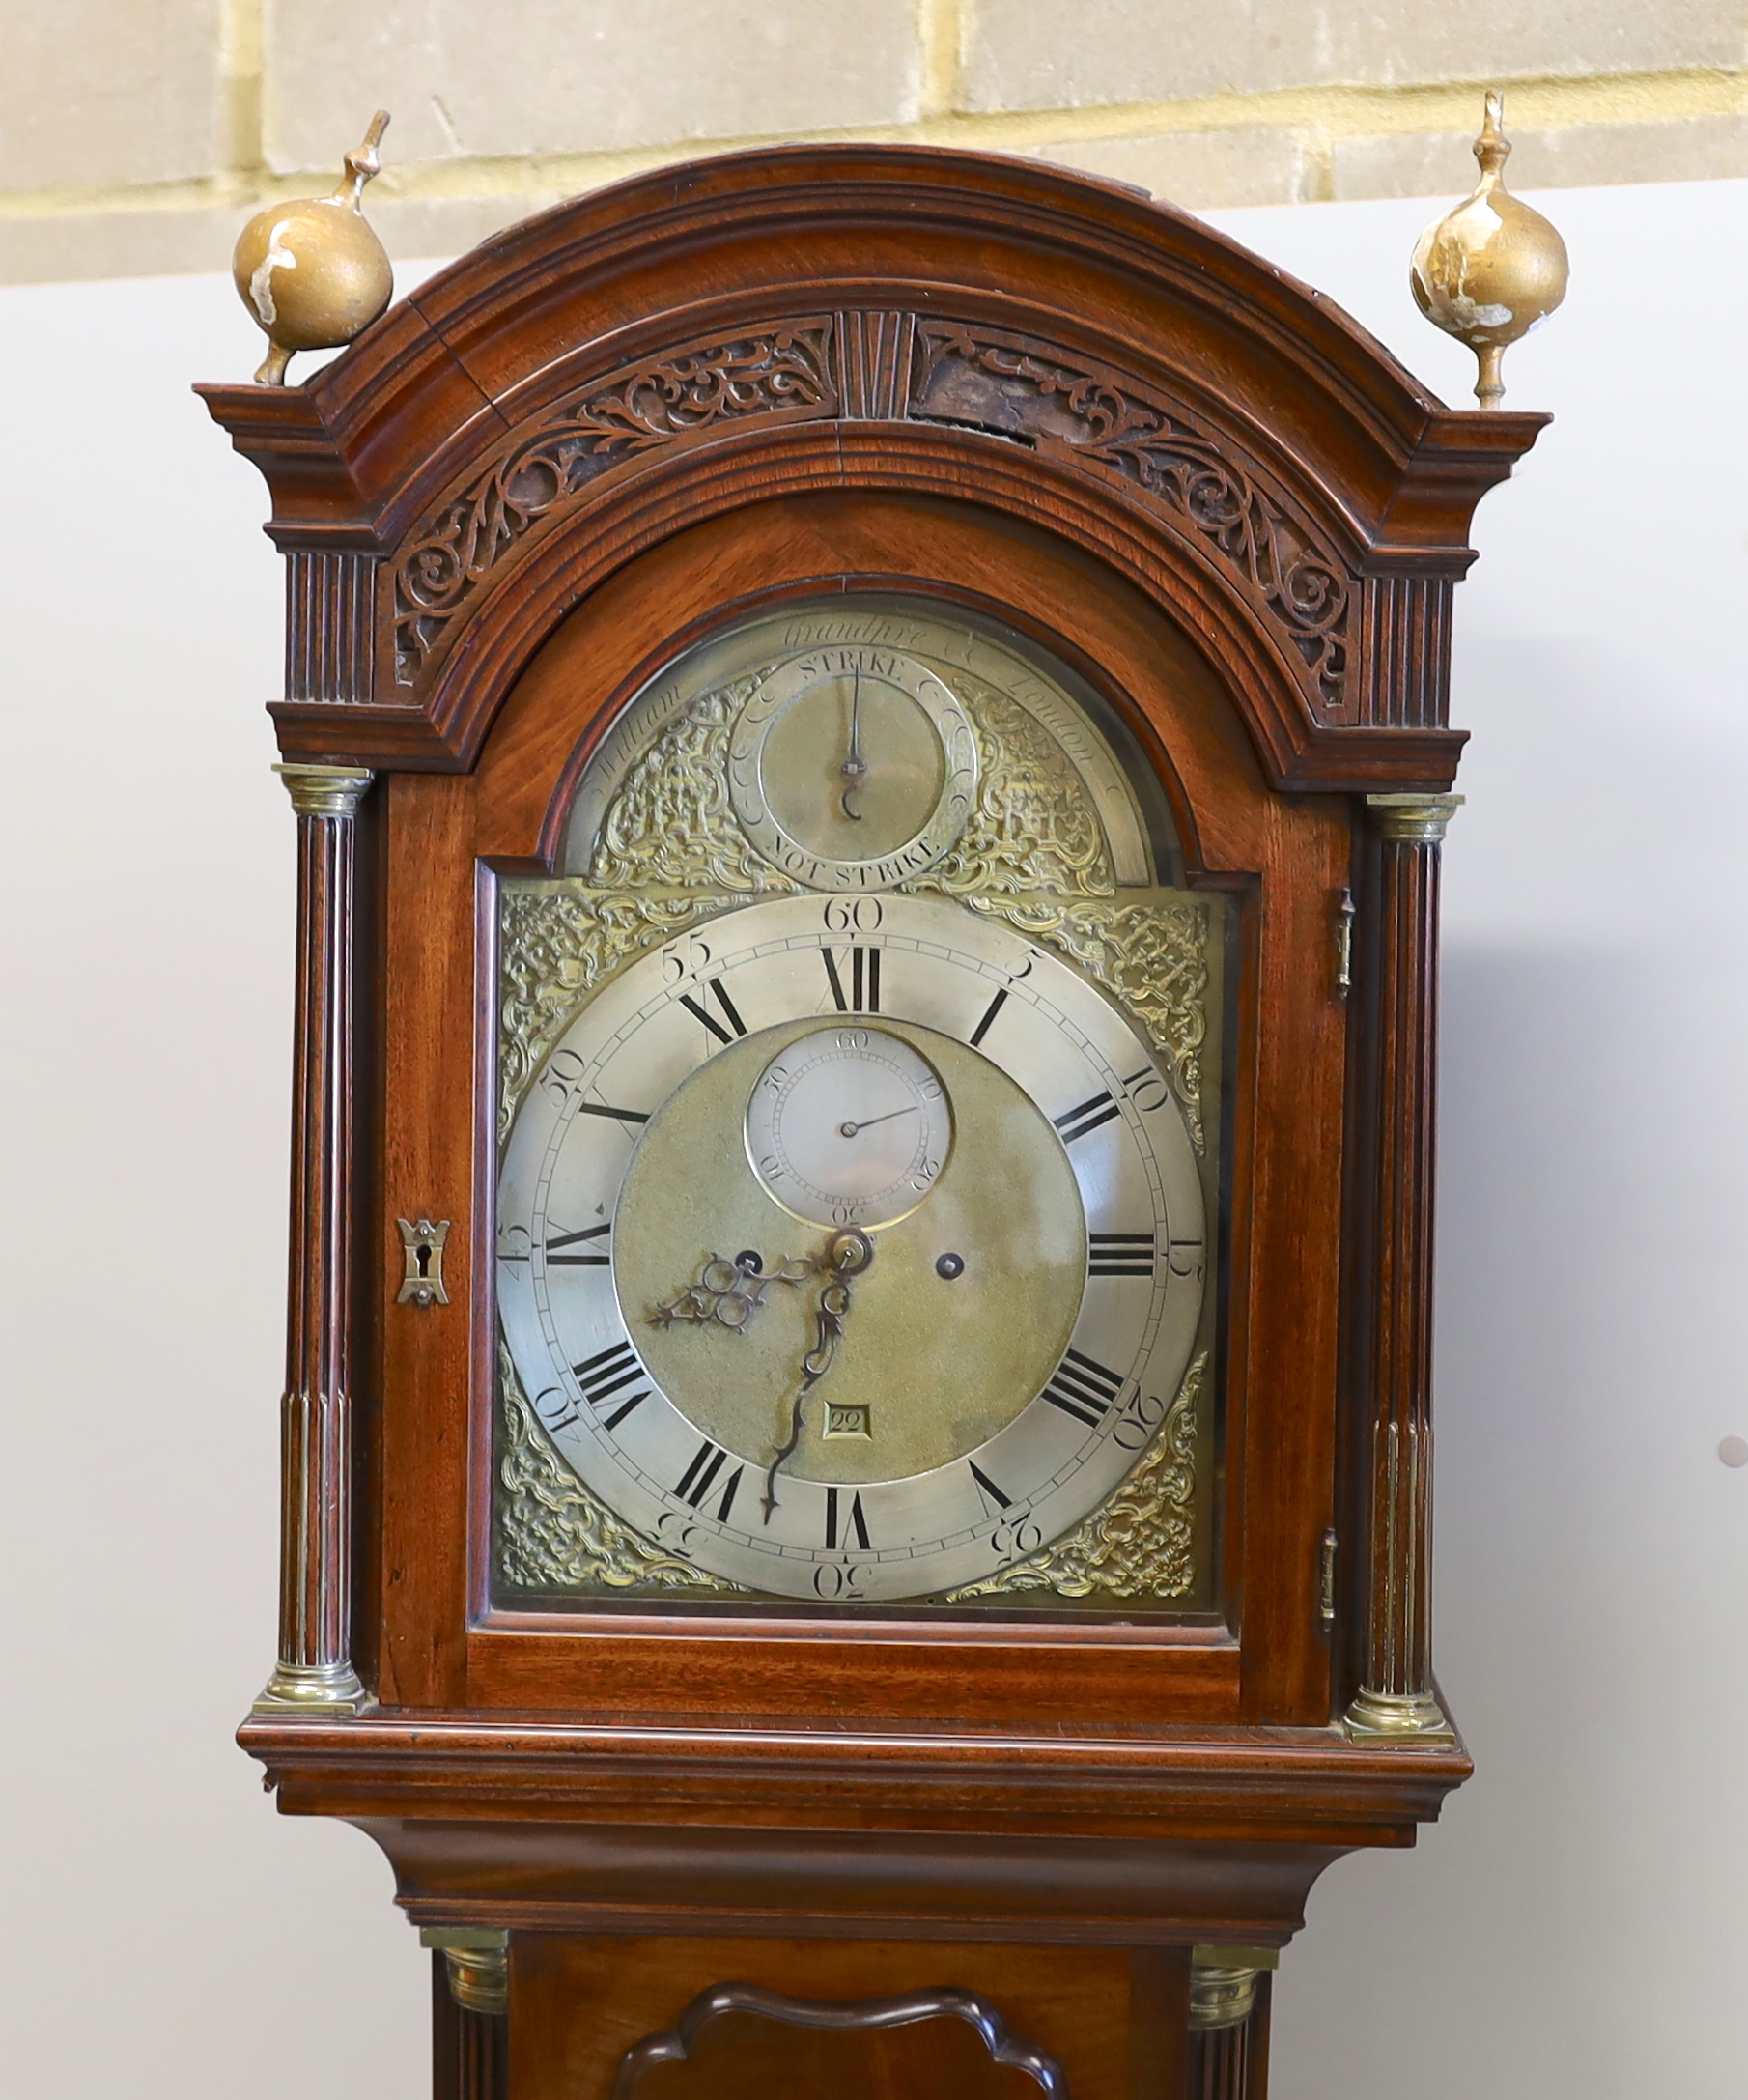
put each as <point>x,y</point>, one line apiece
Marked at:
<point>1396,1701</point>
<point>314,1673</point>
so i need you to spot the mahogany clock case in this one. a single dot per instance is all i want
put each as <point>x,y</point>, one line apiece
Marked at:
<point>1092,421</point>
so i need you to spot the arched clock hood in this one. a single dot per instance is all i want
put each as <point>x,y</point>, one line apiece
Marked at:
<point>966,326</point>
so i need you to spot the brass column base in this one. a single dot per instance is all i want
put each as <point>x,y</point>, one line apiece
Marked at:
<point>1413,1718</point>
<point>326,1689</point>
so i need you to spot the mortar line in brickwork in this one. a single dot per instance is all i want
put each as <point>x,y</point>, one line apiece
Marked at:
<point>1310,115</point>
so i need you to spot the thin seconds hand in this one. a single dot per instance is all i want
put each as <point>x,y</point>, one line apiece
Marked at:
<point>849,1130</point>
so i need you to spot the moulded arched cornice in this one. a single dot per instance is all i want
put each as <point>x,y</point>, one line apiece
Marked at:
<point>992,329</point>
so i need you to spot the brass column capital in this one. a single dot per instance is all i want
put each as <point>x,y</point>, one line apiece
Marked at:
<point>326,790</point>
<point>1222,1984</point>
<point>1414,820</point>
<point>478,1961</point>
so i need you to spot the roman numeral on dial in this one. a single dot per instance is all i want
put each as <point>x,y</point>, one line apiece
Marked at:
<point>991,1495</point>
<point>1089,1116</point>
<point>1083,1387</point>
<point>990,1012</point>
<point>854,1523</point>
<point>701,1476</point>
<point>1120,1253</point>
<point>557,1259</point>
<point>605,1375</point>
<point>715,990</point>
<point>857,989</point>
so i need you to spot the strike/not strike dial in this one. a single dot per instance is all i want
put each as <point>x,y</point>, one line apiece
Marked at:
<point>852,767</point>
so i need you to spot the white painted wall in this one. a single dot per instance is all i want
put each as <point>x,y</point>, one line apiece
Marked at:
<point>1577,1923</point>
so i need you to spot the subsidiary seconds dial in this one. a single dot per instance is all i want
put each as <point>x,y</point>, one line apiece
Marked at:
<point>848,1126</point>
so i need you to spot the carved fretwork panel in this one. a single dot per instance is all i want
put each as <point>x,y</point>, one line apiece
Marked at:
<point>547,465</point>
<point>878,364</point>
<point>1206,489</point>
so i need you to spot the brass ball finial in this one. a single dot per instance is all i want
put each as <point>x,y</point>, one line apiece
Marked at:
<point>1488,271</point>
<point>313,273</point>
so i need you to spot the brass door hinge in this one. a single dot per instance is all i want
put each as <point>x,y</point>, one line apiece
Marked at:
<point>1326,1580</point>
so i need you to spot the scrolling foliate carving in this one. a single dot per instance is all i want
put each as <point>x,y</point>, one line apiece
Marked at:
<point>641,409</point>
<point>995,381</point>
<point>1141,1542</point>
<point>1153,956</point>
<point>557,941</point>
<point>552,1534</point>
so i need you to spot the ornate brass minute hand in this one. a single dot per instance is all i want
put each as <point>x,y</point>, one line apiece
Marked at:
<point>848,1254</point>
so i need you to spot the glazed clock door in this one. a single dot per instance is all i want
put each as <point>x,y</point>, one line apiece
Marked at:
<point>854,1211</point>
<point>884,1210</point>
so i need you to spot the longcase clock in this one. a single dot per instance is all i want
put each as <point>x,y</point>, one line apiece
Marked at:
<point>868,735</point>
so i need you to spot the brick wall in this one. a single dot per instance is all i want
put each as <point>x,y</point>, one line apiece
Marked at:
<point>135,134</point>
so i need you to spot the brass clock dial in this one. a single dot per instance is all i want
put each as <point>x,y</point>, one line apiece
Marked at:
<point>991,1370</point>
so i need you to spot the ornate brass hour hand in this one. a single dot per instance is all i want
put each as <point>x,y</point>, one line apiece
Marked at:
<point>855,766</point>
<point>729,1293</point>
<point>847,1254</point>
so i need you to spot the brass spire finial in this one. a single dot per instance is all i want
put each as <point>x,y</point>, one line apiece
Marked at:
<point>1489,271</point>
<point>313,273</point>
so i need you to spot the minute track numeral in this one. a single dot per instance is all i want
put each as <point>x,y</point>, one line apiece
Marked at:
<point>861,993</point>
<point>854,1524</point>
<point>717,990</point>
<point>701,1476</point>
<point>1084,1388</point>
<point>1120,1253</point>
<point>602,1376</point>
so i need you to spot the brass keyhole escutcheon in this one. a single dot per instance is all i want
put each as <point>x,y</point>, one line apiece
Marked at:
<point>422,1245</point>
